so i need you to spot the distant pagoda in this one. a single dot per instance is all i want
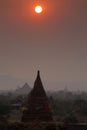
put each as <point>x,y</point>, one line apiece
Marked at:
<point>38,107</point>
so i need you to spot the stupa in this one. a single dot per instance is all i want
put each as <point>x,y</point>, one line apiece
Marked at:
<point>38,106</point>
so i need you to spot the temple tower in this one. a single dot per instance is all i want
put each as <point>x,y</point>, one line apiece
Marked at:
<point>38,107</point>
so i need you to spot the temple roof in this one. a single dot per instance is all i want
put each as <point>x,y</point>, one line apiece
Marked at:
<point>38,107</point>
<point>38,89</point>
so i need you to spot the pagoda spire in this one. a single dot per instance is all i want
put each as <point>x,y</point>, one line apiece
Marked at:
<point>38,89</point>
<point>38,82</point>
<point>38,79</point>
<point>38,72</point>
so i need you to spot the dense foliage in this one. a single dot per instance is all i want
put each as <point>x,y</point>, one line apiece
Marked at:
<point>67,106</point>
<point>4,105</point>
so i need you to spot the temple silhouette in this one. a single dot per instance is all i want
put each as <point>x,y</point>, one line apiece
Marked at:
<point>38,106</point>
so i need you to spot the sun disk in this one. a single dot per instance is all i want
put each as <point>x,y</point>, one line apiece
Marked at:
<point>38,9</point>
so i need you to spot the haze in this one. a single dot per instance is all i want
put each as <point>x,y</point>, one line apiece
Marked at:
<point>55,43</point>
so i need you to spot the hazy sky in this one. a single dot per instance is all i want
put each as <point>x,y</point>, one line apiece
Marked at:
<point>54,42</point>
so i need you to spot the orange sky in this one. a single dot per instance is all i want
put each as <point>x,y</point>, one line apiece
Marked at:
<point>24,10</point>
<point>54,42</point>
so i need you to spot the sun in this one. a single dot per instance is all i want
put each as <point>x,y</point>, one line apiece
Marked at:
<point>38,9</point>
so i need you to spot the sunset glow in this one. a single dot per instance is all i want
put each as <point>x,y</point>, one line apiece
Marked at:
<point>38,9</point>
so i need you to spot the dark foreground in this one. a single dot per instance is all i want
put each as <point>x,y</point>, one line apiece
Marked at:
<point>41,126</point>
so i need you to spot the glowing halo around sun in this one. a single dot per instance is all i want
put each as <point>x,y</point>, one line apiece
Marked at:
<point>38,9</point>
